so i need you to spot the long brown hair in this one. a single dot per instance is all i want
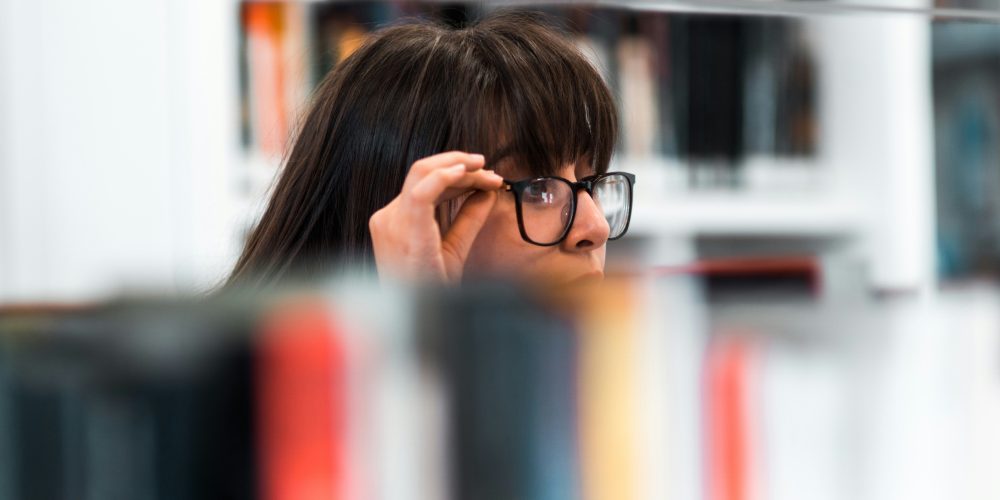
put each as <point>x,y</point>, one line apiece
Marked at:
<point>512,85</point>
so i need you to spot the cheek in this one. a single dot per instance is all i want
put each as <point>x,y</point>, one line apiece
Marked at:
<point>499,247</point>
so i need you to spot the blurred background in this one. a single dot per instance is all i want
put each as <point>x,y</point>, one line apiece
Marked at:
<point>816,227</point>
<point>139,139</point>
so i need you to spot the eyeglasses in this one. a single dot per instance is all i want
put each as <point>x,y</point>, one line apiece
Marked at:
<point>546,206</point>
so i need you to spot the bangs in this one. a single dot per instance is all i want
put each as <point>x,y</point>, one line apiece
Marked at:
<point>535,103</point>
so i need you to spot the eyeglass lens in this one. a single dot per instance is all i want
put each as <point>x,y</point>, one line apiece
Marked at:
<point>612,195</point>
<point>545,208</point>
<point>546,205</point>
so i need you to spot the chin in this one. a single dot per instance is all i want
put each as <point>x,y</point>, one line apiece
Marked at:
<point>586,278</point>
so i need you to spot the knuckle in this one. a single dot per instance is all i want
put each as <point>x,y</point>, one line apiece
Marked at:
<point>377,219</point>
<point>416,171</point>
<point>413,190</point>
<point>407,193</point>
<point>440,177</point>
<point>422,165</point>
<point>445,158</point>
<point>420,196</point>
<point>452,157</point>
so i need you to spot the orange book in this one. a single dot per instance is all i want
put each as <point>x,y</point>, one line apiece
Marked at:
<point>302,389</point>
<point>264,23</point>
<point>607,397</point>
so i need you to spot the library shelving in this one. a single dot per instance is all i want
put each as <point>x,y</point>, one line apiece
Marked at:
<point>801,147</point>
<point>645,388</point>
<point>712,393</point>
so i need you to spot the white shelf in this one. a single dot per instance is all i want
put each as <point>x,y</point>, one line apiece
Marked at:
<point>778,197</point>
<point>664,206</point>
<point>742,215</point>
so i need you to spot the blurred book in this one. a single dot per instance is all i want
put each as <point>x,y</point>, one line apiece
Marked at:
<point>709,90</point>
<point>641,388</point>
<point>967,128</point>
<point>266,120</point>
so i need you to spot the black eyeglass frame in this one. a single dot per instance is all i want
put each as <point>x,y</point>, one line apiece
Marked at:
<point>586,183</point>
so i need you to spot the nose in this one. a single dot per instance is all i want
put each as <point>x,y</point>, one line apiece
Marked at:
<point>590,229</point>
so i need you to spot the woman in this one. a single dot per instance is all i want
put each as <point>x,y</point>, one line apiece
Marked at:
<point>410,157</point>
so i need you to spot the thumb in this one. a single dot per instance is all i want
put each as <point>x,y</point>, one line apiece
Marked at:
<point>469,220</point>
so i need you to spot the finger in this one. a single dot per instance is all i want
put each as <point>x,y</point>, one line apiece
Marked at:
<point>428,189</point>
<point>469,221</point>
<point>431,189</point>
<point>481,180</point>
<point>424,166</point>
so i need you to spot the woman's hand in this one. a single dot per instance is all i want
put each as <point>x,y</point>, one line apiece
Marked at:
<point>405,234</point>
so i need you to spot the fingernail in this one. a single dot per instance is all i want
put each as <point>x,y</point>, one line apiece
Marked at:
<point>479,157</point>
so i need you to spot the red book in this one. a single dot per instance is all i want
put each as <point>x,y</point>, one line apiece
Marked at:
<point>302,384</point>
<point>726,388</point>
<point>804,268</point>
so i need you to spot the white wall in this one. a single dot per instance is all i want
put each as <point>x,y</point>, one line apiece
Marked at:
<point>116,138</point>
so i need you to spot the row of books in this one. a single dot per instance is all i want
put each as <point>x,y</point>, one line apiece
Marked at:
<point>648,387</point>
<point>967,148</point>
<point>357,393</point>
<point>711,89</point>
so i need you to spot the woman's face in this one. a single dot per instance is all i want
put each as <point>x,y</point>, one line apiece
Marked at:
<point>499,249</point>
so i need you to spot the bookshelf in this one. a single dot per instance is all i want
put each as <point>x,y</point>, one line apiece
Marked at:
<point>828,170</point>
<point>842,202</point>
<point>488,392</point>
<point>873,401</point>
<point>860,179</point>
